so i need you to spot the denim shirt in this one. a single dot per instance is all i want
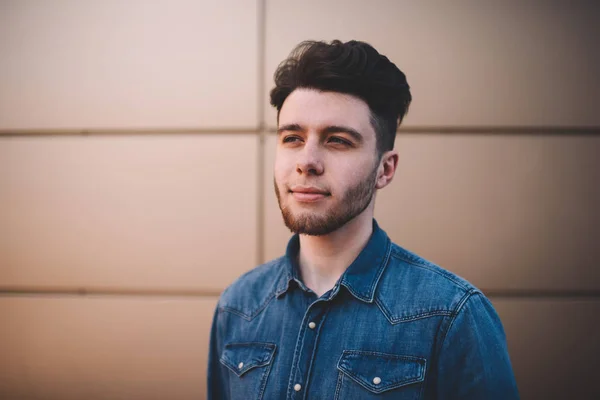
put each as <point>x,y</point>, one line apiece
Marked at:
<point>394,326</point>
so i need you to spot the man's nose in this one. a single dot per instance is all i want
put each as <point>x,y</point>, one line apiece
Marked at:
<point>310,160</point>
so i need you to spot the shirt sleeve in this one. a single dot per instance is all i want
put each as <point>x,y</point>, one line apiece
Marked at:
<point>473,361</point>
<point>216,386</point>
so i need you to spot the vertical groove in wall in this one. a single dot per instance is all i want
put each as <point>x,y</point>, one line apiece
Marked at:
<point>260,108</point>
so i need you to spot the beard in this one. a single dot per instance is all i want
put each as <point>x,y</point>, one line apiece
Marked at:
<point>356,199</point>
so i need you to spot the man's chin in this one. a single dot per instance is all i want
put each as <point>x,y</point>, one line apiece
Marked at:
<point>312,225</point>
<point>310,230</point>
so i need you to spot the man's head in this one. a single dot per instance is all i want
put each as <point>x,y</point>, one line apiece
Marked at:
<point>338,106</point>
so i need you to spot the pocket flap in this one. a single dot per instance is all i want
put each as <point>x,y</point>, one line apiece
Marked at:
<point>379,372</point>
<point>242,357</point>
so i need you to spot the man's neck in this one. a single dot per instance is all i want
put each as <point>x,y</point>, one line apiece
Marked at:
<point>323,259</point>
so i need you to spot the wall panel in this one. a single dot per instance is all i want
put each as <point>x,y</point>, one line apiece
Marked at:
<point>128,64</point>
<point>139,212</point>
<point>553,347</point>
<point>104,348</point>
<point>469,63</point>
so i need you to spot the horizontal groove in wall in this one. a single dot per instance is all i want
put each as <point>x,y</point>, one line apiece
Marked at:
<point>125,131</point>
<point>477,130</point>
<point>542,294</point>
<point>503,130</point>
<point>102,291</point>
<point>497,130</point>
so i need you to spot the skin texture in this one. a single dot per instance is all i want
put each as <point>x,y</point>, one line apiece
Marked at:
<point>327,171</point>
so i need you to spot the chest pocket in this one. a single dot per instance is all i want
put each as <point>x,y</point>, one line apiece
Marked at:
<point>369,375</point>
<point>250,364</point>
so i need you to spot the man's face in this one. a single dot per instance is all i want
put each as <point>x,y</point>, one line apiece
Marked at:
<point>326,162</point>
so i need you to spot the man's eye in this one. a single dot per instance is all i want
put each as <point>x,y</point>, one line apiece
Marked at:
<point>290,139</point>
<point>337,140</point>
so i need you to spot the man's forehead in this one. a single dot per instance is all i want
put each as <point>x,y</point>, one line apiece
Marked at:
<point>313,108</point>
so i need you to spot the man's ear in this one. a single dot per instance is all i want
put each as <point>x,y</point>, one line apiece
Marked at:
<point>387,168</point>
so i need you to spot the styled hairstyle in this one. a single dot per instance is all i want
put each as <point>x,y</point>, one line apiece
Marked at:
<point>353,68</point>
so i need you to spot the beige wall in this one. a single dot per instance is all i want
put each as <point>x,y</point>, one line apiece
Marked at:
<point>136,150</point>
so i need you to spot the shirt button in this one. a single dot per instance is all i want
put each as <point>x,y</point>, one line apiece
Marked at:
<point>241,365</point>
<point>297,387</point>
<point>377,380</point>
<point>312,325</point>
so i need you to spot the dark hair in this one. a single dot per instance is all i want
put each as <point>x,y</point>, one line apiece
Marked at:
<point>354,68</point>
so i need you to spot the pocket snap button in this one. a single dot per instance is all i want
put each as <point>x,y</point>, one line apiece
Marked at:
<point>377,380</point>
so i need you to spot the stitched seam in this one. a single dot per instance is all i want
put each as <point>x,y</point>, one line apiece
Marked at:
<point>384,311</point>
<point>383,264</point>
<point>384,355</point>
<point>266,374</point>
<point>251,316</point>
<point>299,344</point>
<point>274,264</point>
<point>435,313</point>
<point>317,335</point>
<point>355,294</point>
<point>339,385</point>
<point>237,371</point>
<point>232,366</point>
<point>429,268</point>
<point>424,380</point>
<point>395,321</point>
<point>381,269</point>
<point>263,345</point>
<point>222,361</point>
<point>357,378</point>
<point>234,311</point>
<point>466,297</point>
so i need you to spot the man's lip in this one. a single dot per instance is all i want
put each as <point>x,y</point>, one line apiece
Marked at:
<point>307,197</point>
<point>308,190</point>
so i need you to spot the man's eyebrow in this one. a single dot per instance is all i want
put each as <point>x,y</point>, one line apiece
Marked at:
<point>325,131</point>
<point>344,129</point>
<point>289,127</point>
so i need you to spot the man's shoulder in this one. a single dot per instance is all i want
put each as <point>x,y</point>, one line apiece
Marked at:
<point>253,290</point>
<point>413,287</point>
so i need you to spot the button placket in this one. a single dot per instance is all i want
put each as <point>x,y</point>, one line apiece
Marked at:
<point>305,350</point>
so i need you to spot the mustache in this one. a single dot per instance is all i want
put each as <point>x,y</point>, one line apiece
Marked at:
<point>305,187</point>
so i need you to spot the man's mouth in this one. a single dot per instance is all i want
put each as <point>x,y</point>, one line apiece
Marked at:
<point>308,194</point>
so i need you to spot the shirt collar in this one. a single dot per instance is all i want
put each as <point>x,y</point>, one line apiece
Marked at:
<point>360,278</point>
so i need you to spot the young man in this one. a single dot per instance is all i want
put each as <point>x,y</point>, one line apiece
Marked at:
<point>347,314</point>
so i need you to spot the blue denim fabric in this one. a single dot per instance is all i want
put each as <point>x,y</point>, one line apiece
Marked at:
<point>395,326</point>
